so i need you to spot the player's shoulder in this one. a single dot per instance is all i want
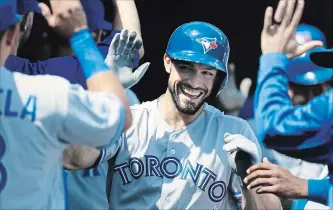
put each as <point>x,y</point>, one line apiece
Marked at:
<point>146,106</point>
<point>220,117</point>
<point>46,81</point>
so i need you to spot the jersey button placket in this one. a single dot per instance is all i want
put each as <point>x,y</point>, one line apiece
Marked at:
<point>169,151</point>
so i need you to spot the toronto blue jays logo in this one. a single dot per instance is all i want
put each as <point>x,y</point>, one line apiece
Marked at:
<point>207,43</point>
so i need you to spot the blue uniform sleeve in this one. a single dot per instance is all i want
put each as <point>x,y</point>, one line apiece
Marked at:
<point>66,67</point>
<point>318,190</point>
<point>304,131</point>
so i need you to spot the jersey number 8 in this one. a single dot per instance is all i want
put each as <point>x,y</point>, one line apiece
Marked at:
<point>3,174</point>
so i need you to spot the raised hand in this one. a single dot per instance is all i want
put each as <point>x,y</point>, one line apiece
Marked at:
<point>278,34</point>
<point>67,18</point>
<point>232,98</point>
<point>122,53</point>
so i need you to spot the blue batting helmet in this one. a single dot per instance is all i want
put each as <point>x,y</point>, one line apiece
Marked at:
<point>301,70</point>
<point>203,43</point>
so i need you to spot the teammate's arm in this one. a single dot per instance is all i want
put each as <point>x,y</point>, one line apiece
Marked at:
<point>127,17</point>
<point>80,157</point>
<point>69,20</point>
<point>292,130</point>
<point>67,67</point>
<point>251,199</point>
<point>271,178</point>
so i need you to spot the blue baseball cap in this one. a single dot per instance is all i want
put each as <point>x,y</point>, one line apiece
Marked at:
<point>26,6</point>
<point>95,13</point>
<point>8,14</point>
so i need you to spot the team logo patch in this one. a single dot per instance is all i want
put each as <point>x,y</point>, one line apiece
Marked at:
<point>207,43</point>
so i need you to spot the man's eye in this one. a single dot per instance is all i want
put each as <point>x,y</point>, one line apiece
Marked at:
<point>208,73</point>
<point>186,67</point>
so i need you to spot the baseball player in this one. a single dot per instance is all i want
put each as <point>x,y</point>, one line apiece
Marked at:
<point>40,115</point>
<point>303,131</point>
<point>82,184</point>
<point>324,58</point>
<point>176,154</point>
<point>305,81</point>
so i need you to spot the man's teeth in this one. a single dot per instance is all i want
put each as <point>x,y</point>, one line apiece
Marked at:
<point>193,93</point>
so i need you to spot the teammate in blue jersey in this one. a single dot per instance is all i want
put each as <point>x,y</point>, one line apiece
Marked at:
<point>83,183</point>
<point>303,131</point>
<point>41,115</point>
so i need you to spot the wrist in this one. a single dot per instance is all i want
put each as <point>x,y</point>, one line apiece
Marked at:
<point>86,51</point>
<point>302,189</point>
<point>77,29</point>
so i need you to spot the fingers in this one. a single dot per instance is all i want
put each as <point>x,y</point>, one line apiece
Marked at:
<point>135,50</point>
<point>231,76</point>
<point>263,173</point>
<point>268,18</point>
<point>265,160</point>
<point>122,42</point>
<point>46,12</point>
<point>267,189</point>
<point>227,136</point>
<point>262,182</point>
<point>245,87</point>
<point>130,43</point>
<point>307,46</point>
<point>114,44</point>
<point>280,11</point>
<point>260,166</point>
<point>298,14</point>
<point>139,72</point>
<point>289,13</point>
<point>230,147</point>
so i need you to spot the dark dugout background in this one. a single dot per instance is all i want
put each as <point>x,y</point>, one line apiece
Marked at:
<point>240,20</point>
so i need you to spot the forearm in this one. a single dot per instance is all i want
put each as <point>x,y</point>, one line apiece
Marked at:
<point>99,77</point>
<point>252,200</point>
<point>127,17</point>
<point>80,157</point>
<point>281,125</point>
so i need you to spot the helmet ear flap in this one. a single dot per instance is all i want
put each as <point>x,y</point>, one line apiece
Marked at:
<point>219,83</point>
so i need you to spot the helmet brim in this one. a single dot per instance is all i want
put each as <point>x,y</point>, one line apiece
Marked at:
<point>323,58</point>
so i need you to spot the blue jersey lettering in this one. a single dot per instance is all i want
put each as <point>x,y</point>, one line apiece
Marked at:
<point>3,173</point>
<point>29,107</point>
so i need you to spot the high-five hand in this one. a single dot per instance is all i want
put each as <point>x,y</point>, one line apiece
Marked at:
<point>67,18</point>
<point>123,50</point>
<point>278,34</point>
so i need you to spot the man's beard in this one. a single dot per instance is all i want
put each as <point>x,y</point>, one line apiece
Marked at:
<point>190,107</point>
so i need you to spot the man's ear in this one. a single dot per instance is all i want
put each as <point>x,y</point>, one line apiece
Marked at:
<point>11,35</point>
<point>167,63</point>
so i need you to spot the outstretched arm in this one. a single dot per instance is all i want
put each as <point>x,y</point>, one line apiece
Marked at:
<point>298,131</point>
<point>127,17</point>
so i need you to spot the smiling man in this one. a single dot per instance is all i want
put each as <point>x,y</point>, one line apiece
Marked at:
<point>174,156</point>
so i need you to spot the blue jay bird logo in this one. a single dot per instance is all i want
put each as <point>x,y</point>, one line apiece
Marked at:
<point>207,43</point>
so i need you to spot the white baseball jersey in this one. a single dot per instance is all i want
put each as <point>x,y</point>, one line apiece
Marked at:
<point>86,188</point>
<point>157,167</point>
<point>40,115</point>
